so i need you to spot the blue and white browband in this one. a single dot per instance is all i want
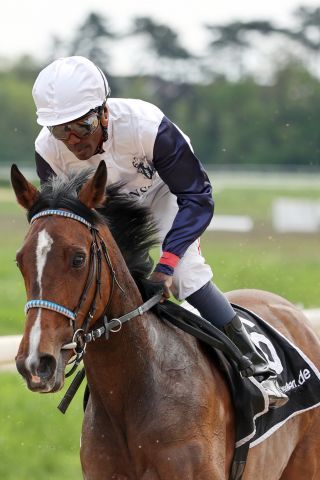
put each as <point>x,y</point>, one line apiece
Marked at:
<point>49,306</point>
<point>61,213</point>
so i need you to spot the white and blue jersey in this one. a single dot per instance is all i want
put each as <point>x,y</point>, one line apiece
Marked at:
<point>147,152</point>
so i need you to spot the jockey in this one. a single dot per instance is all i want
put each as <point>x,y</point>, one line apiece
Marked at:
<point>155,161</point>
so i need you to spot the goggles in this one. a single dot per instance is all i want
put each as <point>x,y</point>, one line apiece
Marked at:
<point>81,128</point>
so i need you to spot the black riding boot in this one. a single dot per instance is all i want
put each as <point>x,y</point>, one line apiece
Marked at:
<point>262,371</point>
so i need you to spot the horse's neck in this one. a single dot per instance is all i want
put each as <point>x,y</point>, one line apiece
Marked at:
<point>111,365</point>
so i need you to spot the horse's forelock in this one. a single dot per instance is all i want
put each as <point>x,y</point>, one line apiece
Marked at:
<point>62,192</point>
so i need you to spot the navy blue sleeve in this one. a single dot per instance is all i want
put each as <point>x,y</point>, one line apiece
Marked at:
<point>44,170</point>
<point>186,178</point>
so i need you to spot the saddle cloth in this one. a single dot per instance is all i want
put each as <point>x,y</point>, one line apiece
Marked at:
<point>298,377</point>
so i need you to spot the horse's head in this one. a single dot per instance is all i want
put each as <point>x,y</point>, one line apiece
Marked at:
<point>60,265</point>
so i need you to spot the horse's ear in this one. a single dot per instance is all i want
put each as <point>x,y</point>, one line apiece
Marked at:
<point>93,192</point>
<point>25,192</point>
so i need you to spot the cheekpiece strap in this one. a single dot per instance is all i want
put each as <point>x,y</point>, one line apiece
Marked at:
<point>49,306</point>
<point>61,213</point>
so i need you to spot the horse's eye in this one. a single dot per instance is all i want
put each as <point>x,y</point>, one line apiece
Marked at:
<point>78,260</point>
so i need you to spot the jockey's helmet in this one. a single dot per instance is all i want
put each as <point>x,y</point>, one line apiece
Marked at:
<point>67,89</point>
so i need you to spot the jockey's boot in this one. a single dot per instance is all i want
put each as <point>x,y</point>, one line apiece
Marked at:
<point>262,372</point>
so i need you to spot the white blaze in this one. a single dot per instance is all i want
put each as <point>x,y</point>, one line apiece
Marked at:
<point>34,340</point>
<point>43,248</point>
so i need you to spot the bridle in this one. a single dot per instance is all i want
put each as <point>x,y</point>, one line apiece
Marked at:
<point>97,250</point>
<point>81,337</point>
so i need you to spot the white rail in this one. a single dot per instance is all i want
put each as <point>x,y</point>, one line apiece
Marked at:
<point>8,349</point>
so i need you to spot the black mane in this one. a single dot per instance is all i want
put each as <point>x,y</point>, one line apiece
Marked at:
<point>130,223</point>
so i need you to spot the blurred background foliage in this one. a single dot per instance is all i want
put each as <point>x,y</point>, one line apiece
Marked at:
<point>235,113</point>
<point>250,99</point>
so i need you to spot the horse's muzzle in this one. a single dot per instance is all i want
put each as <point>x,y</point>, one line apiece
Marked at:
<point>40,374</point>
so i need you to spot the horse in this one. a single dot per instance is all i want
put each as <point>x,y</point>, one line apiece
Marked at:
<point>159,406</point>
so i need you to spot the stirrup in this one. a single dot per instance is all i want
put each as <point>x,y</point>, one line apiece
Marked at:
<point>277,398</point>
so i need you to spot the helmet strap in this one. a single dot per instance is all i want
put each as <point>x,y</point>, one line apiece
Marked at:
<point>104,127</point>
<point>105,135</point>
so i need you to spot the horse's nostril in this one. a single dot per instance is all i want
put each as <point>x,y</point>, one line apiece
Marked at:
<point>46,368</point>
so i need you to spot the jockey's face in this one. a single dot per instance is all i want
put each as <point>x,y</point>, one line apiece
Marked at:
<point>84,147</point>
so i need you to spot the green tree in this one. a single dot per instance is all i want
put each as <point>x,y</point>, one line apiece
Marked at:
<point>163,40</point>
<point>308,31</point>
<point>93,39</point>
<point>233,40</point>
<point>18,127</point>
<point>165,54</point>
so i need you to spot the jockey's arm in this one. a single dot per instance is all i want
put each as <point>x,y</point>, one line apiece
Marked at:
<point>186,178</point>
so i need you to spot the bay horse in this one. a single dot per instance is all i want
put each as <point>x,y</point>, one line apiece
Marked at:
<point>159,407</point>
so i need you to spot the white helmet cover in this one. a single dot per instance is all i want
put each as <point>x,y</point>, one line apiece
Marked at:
<point>67,89</point>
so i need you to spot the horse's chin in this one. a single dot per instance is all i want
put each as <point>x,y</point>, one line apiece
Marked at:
<point>40,386</point>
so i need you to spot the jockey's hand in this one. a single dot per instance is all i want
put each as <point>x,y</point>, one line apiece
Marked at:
<point>166,282</point>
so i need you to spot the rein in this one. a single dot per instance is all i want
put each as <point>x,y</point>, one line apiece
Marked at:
<point>80,336</point>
